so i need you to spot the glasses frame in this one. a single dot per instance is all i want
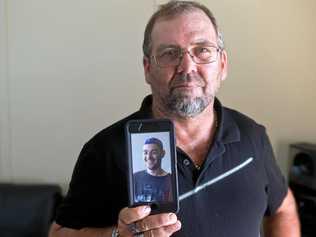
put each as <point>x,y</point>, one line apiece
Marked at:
<point>184,51</point>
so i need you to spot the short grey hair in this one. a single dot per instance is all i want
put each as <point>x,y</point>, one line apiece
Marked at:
<point>171,10</point>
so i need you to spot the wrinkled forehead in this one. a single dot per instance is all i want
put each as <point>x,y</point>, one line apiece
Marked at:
<point>184,29</point>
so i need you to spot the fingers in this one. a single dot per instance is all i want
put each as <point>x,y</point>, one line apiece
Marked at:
<point>137,220</point>
<point>128,218</point>
<point>172,228</point>
<point>164,231</point>
<point>130,215</point>
<point>156,221</point>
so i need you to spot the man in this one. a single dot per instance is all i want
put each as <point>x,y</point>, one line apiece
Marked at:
<point>154,183</point>
<point>184,64</point>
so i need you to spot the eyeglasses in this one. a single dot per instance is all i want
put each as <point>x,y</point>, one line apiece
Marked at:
<point>172,56</point>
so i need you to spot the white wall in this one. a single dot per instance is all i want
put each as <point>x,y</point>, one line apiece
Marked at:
<point>71,68</point>
<point>5,157</point>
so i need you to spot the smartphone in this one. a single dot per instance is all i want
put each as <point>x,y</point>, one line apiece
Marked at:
<point>152,164</point>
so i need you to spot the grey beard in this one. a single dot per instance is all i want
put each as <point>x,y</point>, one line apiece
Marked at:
<point>187,107</point>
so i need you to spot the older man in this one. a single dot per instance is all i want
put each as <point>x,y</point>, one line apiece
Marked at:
<point>184,63</point>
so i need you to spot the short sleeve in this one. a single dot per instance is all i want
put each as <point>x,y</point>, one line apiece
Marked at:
<point>276,188</point>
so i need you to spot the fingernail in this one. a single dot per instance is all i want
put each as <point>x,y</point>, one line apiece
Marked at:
<point>172,217</point>
<point>147,209</point>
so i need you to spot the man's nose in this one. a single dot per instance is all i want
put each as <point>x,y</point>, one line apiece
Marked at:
<point>187,65</point>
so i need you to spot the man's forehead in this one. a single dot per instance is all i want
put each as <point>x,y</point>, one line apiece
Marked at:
<point>151,146</point>
<point>194,27</point>
<point>197,42</point>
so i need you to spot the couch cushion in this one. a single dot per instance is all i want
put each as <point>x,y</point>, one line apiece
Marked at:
<point>27,210</point>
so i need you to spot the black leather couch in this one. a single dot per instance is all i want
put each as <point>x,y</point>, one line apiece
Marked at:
<point>27,210</point>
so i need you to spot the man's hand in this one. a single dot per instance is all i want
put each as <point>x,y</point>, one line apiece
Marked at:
<point>131,221</point>
<point>137,220</point>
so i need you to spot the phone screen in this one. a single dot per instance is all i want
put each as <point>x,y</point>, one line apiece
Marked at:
<point>151,167</point>
<point>152,163</point>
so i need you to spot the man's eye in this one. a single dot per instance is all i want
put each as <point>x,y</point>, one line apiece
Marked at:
<point>204,53</point>
<point>170,53</point>
<point>154,153</point>
<point>203,50</point>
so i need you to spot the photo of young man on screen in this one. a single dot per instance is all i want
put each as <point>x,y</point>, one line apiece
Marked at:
<point>154,183</point>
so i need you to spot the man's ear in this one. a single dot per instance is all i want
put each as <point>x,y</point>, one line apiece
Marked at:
<point>223,64</point>
<point>146,65</point>
<point>163,152</point>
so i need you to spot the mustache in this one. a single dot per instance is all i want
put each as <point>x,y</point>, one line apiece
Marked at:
<point>181,79</point>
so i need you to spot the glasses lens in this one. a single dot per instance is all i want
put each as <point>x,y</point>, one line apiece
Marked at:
<point>204,54</point>
<point>168,57</point>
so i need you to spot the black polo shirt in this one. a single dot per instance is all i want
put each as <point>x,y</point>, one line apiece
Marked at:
<point>233,206</point>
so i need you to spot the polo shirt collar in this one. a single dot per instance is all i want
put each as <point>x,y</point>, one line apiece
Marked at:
<point>145,110</point>
<point>228,130</point>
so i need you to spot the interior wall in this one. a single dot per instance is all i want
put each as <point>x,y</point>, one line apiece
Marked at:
<point>71,68</point>
<point>5,157</point>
